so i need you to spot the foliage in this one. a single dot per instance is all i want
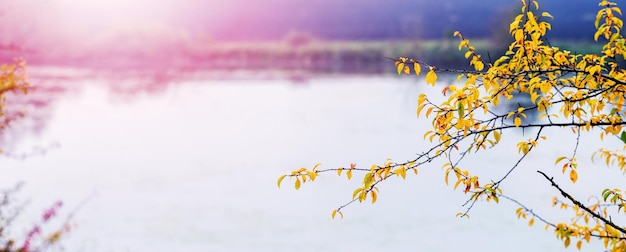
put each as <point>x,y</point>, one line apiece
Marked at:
<point>13,79</point>
<point>34,239</point>
<point>584,93</point>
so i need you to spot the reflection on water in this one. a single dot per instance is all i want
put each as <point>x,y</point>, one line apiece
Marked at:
<point>191,164</point>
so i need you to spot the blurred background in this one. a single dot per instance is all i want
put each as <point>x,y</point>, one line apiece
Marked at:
<point>163,124</point>
<point>327,36</point>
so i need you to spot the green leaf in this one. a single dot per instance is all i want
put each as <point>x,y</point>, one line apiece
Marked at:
<point>606,193</point>
<point>368,179</point>
<point>461,110</point>
<point>623,136</point>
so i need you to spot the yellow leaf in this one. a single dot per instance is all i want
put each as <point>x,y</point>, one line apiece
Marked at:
<point>419,109</point>
<point>316,165</point>
<point>400,68</point>
<point>349,174</point>
<point>400,172</point>
<point>546,14</point>
<point>362,196</point>
<point>374,196</point>
<point>496,136</point>
<point>531,222</point>
<point>428,111</point>
<point>510,114</point>
<point>579,244</point>
<point>280,179</point>
<point>417,68</point>
<point>567,241</point>
<point>297,183</point>
<point>356,192</point>
<point>517,121</point>
<point>468,54</point>
<point>339,171</point>
<point>559,159</point>
<point>573,175</point>
<point>457,184</point>
<point>368,179</point>
<point>431,77</point>
<point>334,213</point>
<point>312,175</point>
<point>479,65</point>
<point>421,99</point>
<point>407,70</point>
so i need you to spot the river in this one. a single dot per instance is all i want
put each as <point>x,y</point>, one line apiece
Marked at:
<point>191,165</point>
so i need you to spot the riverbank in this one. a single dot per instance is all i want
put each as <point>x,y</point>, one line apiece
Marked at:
<point>347,57</point>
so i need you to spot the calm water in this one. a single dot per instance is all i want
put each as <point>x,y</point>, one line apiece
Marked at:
<point>192,166</point>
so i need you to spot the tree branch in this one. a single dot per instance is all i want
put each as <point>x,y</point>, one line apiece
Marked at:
<point>577,203</point>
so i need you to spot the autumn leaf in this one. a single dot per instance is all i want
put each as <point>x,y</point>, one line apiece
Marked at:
<point>573,175</point>
<point>400,68</point>
<point>559,159</point>
<point>417,68</point>
<point>280,179</point>
<point>517,121</point>
<point>496,136</point>
<point>374,196</point>
<point>297,183</point>
<point>431,77</point>
<point>543,86</point>
<point>407,70</point>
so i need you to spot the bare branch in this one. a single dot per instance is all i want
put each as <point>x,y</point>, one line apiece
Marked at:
<point>577,203</point>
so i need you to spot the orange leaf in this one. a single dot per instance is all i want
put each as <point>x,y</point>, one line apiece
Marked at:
<point>573,175</point>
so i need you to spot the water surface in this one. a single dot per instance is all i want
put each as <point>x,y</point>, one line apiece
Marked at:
<point>192,165</point>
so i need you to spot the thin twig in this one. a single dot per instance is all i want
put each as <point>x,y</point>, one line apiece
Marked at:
<point>577,203</point>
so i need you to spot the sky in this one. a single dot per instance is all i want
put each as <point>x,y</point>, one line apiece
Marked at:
<point>67,27</point>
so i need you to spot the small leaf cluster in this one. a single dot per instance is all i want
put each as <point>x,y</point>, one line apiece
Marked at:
<point>301,175</point>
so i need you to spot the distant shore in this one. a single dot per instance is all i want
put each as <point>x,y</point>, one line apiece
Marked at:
<point>348,57</point>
